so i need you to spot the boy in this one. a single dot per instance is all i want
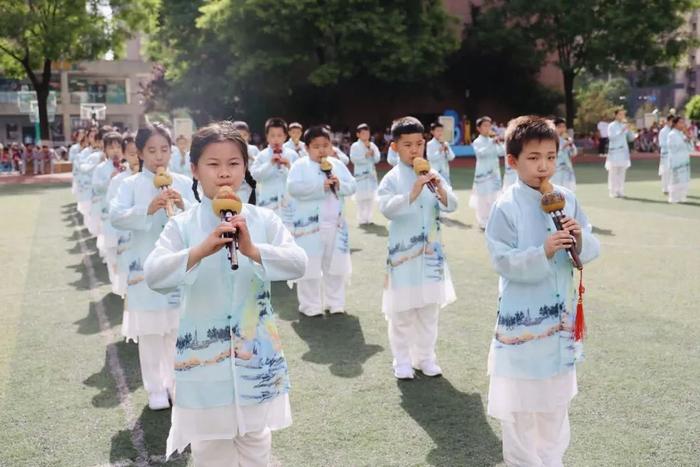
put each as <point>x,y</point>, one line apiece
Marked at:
<point>271,167</point>
<point>487,174</point>
<point>318,224</point>
<point>417,282</point>
<point>439,152</point>
<point>618,159</point>
<point>294,142</point>
<point>533,353</point>
<point>364,155</point>
<point>564,173</point>
<point>664,169</point>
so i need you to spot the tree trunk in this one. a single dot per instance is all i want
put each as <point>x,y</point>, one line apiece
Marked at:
<point>42,95</point>
<point>569,76</point>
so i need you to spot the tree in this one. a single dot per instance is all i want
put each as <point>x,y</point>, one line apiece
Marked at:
<point>598,35</point>
<point>596,100</point>
<point>692,108</point>
<point>263,53</point>
<point>34,34</point>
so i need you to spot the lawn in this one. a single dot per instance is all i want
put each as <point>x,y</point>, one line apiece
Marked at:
<point>638,402</point>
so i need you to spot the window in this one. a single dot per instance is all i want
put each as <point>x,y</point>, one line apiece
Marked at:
<point>97,90</point>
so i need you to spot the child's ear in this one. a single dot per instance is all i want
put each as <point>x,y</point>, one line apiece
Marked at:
<point>512,161</point>
<point>393,146</point>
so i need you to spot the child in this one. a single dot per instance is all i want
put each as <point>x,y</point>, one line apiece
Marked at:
<point>101,176</point>
<point>618,160</point>
<point>487,175</point>
<point>319,226</point>
<point>564,173</point>
<point>271,167</point>
<point>417,282</point>
<point>439,153</point>
<point>232,381</point>
<point>533,352</point>
<point>664,169</point>
<point>246,190</point>
<point>679,148</point>
<point>87,167</point>
<point>151,319</point>
<point>294,142</point>
<point>83,189</point>
<point>365,155</point>
<point>75,149</point>
<point>337,152</point>
<point>180,161</point>
<point>117,241</point>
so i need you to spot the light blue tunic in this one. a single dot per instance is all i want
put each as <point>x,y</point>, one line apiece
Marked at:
<point>537,295</point>
<point>487,174</point>
<point>226,313</point>
<point>564,174</point>
<point>663,149</point>
<point>618,148</point>
<point>271,189</point>
<point>679,149</point>
<point>439,155</point>
<point>364,160</point>
<point>416,266</point>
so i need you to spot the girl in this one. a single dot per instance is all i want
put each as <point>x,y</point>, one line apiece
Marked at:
<point>618,159</point>
<point>151,319</point>
<point>232,383</point>
<point>83,190</point>
<point>564,174</point>
<point>271,167</point>
<point>319,226</point>
<point>365,155</point>
<point>101,176</point>
<point>487,175</point>
<point>679,148</point>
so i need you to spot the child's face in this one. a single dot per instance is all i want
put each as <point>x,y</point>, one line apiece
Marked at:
<point>221,164</point>
<point>484,128</point>
<point>156,152</point>
<point>319,147</point>
<point>276,136</point>
<point>363,135</point>
<point>620,116</point>
<point>536,162</point>
<point>438,133</point>
<point>409,147</point>
<point>561,129</point>
<point>295,134</point>
<point>681,125</point>
<point>183,145</point>
<point>131,155</point>
<point>114,150</point>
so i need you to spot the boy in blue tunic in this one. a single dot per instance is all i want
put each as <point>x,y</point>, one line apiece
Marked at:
<point>533,352</point>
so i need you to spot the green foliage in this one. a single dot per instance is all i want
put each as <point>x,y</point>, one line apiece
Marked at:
<point>226,56</point>
<point>692,108</point>
<point>35,34</point>
<point>597,99</point>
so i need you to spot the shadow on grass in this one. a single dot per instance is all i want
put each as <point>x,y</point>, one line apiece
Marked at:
<point>336,341</point>
<point>450,222</point>
<point>104,381</point>
<point>101,274</point>
<point>113,306</point>
<point>657,201</point>
<point>606,232</point>
<point>375,229</point>
<point>455,421</point>
<point>156,426</point>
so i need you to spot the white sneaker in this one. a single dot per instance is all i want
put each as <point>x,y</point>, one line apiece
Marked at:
<point>158,401</point>
<point>403,372</point>
<point>430,368</point>
<point>338,311</point>
<point>311,314</point>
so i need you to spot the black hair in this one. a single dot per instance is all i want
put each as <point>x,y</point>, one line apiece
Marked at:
<point>669,117</point>
<point>406,126</point>
<point>675,120</point>
<point>219,132</point>
<point>483,119</point>
<point>145,132</point>
<point>240,125</point>
<point>435,125</point>
<point>276,122</point>
<point>528,128</point>
<point>318,131</point>
<point>559,121</point>
<point>127,139</point>
<point>361,126</point>
<point>112,137</point>
<point>618,110</point>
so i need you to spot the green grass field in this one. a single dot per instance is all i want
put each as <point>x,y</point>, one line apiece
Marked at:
<point>639,390</point>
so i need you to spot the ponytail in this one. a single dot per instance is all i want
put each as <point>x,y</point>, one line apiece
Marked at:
<point>195,183</point>
<point>250,181</point>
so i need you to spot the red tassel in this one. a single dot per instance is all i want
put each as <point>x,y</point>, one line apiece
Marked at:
<point>580,322</point>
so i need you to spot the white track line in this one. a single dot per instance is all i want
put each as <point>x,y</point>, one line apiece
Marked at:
<point>115,367</point>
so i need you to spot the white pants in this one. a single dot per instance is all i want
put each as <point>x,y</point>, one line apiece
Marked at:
<point>157,360</point>
<point>665,180</point>
<point>482,205</point>
<point>678,193</point>
<point>250,450</point>
<point>413,335</point>
<point>616,181</point>
<point>536,439</point>
<point>364,210</point>
<point>38,166</point>
<point>327,292</point>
